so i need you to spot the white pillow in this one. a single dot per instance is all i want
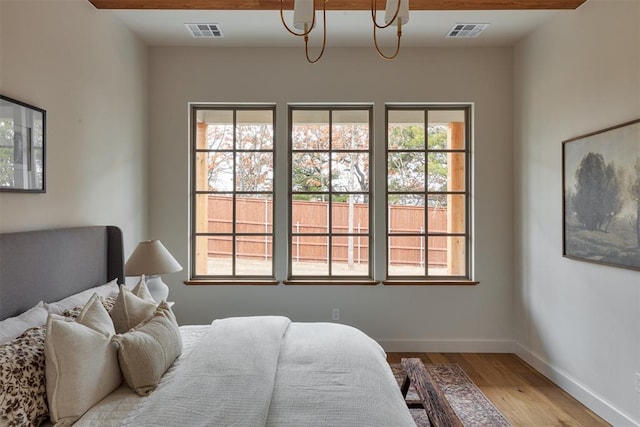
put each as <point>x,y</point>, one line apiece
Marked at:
<point>13,327</point>
<point>81,362</point>
<point>107,290</point>
<point>129,310</point>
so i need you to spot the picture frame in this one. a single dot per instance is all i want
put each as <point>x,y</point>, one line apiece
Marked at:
<point>601,196</point>
<point>22,147</point>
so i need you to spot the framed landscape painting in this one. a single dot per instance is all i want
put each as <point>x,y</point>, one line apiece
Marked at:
<point>601,200</point>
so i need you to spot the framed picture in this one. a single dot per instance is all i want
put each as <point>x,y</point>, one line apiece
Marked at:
<point>601,203</point>
<point>22,146</point>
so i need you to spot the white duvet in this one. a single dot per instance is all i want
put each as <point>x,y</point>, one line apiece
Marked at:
<point>268,371</point>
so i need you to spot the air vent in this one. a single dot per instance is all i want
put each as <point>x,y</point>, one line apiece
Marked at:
<point>204,31</point>
<point>466,30</point>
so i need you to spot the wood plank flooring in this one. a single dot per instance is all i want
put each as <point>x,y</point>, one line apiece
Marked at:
<point>523,395</point>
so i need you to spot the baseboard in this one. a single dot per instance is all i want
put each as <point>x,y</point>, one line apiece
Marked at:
<point>446,345</point>
<point>575,389</point>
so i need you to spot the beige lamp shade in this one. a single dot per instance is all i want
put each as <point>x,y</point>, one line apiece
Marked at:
<point>151,258</point>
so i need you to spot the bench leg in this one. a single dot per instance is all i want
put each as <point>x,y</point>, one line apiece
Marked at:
<point>438,409</point>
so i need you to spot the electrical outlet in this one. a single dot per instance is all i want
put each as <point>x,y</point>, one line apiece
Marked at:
<point>335,314</point>
<point>638,382</point>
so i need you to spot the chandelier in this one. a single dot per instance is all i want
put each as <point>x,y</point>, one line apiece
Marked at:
<point>304,19</point>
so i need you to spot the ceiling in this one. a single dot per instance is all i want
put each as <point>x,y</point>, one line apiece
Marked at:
<point>256,23</point>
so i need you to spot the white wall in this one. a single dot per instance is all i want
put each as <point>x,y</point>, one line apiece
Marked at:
<point>417,318</point>
<point>579,323</point>
<point>89,72</point>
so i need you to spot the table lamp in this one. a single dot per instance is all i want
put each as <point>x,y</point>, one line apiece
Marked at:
<point>152,259</point>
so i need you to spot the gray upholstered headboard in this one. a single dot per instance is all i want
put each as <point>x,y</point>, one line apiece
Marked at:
<point>48,265</point>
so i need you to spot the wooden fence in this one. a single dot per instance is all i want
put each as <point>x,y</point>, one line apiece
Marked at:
<point>255,216</point>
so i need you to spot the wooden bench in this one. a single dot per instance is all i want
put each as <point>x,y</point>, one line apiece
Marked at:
<point>433,400</point>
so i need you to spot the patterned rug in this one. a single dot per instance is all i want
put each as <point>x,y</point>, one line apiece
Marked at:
<point>469,403</point>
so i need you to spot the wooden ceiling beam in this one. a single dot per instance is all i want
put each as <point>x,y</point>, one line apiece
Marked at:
<point>337,4</point>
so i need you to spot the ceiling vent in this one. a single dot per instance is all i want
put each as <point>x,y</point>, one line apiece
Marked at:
<point>204,31</point>
<point>465,31</point>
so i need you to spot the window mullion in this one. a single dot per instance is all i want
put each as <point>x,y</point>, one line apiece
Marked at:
<point>426,193</point>
<point>330,198</point>
<point>234,215</point>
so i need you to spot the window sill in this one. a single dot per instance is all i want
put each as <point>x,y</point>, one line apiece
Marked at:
<point>327,282</point>
<point>396,282</point>
<point>231,282</point>
<point>331,282</point>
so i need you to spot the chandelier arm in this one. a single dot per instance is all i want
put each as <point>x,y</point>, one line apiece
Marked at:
<point>374,12</point>
<point>375,42</point>
<point>304,33</point>
<point>324,36</point>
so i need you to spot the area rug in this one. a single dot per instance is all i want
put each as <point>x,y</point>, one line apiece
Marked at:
<point>465,398</point>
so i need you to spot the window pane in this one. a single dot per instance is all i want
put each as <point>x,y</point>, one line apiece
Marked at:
<point>446,129</point>
<point>310,130</point>
<point>350,130</point>
<point>437,137</point>
<point>406,256</point>
<point>349,256</point>
<point>213,255</point>
<point>214,171</point>
<point>214,213</point>
<point>254,213</point>
<point>254,171</point>
<point>457,172</point>
<point>254,130</point>
<point>214,129</point>
<point>406,213</point>
<point>309,214</point>
<point>350,213</point>
<point>309,256</point>
<point>447,213</point>
<point>447,256</point>
<point>406,130</point>
<point>446,171</point>
<point>254,256</point>
<point>438,171</point>
<point>437,256</point>
<point>310,171</point>
<point>350,171</point>
<point>405,172</point>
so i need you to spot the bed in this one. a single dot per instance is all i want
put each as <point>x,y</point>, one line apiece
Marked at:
<point>245,371</point>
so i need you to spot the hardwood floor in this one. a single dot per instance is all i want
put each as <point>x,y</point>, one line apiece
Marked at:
<point>523,395</point>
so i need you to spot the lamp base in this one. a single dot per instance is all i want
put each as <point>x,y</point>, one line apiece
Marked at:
<point>157,288</point>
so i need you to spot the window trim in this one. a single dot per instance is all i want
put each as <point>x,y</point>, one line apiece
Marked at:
<point>330,279</point>
<point>194,278</point>
<point>378,258</point>
<point>429,282</point>
<point>426,279</point>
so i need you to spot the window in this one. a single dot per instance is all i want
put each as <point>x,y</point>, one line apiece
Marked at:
<point>325,185</point>
<point>330,195</point>
<point>428,199</point>
<point>232,204</point>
